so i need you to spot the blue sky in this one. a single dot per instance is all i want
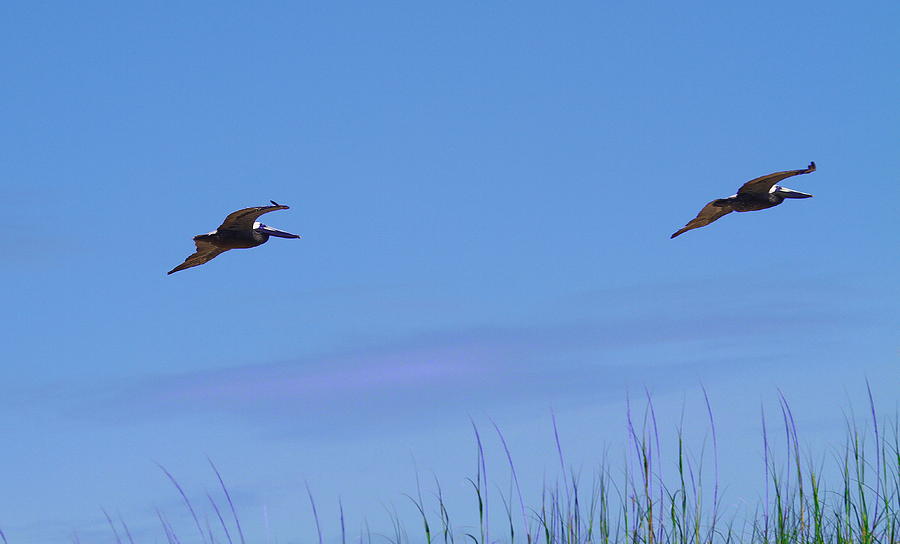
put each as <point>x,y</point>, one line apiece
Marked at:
<point>485,193</point>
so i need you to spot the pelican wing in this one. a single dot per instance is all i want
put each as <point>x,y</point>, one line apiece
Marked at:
<point>762,185</point>
<point>712,211</point>
<point>244,219</point>
<point>205,253</point>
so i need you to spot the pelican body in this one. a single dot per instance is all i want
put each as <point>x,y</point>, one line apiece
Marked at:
<point>240,230</point>
<point>756,194</point>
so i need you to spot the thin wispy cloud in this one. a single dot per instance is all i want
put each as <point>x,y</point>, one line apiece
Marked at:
<point>620,342</point>
<point>454,372</point>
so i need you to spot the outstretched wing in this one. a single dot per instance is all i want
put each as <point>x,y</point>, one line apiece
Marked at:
<point>205,253</point>
<point>712,211</point>
<point>244,219</point>
<point>762,185</point>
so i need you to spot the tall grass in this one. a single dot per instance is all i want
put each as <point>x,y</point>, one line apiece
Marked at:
<point>857,501</point>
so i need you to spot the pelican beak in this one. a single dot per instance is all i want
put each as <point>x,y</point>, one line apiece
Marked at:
<point>790,193</point>
<point>265,229</point>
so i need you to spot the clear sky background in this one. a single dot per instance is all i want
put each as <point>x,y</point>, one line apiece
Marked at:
<point>485,192</point>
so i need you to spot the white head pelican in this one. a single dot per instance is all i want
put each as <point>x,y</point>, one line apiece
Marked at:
<point>756,194</point>
<point>239,230</point>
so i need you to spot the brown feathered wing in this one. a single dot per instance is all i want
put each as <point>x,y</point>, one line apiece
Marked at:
<point>712,211</point>
<point>205,253</point>
<point>244,219</point>
<point>763,184</point>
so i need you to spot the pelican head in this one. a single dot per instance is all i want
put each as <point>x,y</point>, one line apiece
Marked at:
<point>265,229</point>
<point>788,193</point>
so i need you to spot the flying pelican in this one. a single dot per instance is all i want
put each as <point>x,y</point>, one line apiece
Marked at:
<point>239,230</point>
<point>756,194</point>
